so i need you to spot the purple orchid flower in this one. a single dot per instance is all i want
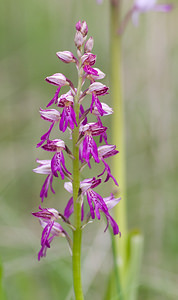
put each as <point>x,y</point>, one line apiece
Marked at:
<point>97,89</point>
<point>106,151</point>
<point>96,203</point>
<point>88,145</point>
<point>57,162</point>
<point>59,80</point>
<point>68,117</point>
<point>99,203</point>
<point>45,168</point>
<point>50,115</point>
<point>47,218</point>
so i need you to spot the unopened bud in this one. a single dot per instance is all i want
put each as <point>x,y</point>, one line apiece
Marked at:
<point>79,40</point>
<point>89,45</point>
<point>82,27</point>
<point>66,56</point>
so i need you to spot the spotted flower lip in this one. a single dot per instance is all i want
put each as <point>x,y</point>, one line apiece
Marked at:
<point>66,56</point>
<point>89,149</point>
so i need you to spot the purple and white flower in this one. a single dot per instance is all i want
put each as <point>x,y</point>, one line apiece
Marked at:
<point>106,151</point>
<point>57,79</point>
<point>51,229</point>
<point>50,115</point>
<point>45,168</point>
<point>68,117</point>
<point>97,89</point>
<point>88,145</point>
<point>57,162</point>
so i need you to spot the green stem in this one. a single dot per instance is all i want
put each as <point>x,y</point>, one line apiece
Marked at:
<point>116,271</point>
<point>118,134</point>
<point>77,233</point>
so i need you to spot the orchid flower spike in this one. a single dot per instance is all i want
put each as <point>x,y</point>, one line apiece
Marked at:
<point>69,113</point>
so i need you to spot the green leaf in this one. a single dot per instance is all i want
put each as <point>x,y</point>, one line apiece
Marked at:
<point>135,250</point>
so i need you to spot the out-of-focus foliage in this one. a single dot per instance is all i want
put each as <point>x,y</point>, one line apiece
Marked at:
<point>31,32</point>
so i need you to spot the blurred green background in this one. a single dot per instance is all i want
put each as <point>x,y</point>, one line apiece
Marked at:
<point>31,32</point>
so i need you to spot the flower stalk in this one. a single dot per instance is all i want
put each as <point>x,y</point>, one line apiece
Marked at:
<point>77,233</point>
